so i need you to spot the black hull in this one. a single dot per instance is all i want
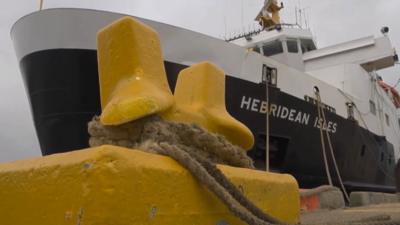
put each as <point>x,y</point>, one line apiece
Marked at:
<point>63,89</point>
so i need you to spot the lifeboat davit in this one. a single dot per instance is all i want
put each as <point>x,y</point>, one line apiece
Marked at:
<point>393,93</point>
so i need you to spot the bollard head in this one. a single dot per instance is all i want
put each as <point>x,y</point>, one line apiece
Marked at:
<point>132,78</point>
<point>200,99</point>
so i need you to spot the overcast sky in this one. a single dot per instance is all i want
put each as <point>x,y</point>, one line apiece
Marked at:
<point>332,21</point>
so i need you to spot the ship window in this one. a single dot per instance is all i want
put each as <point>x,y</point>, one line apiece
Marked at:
<point>256,49</point>
<point>292,46</point>
<point>399,122</point>
<point>269,75</point>
<point>372,107</point>
<point>387,119</point>
<point>272,48</point>
<point>350,110</point>
<point>307,45</point>
<point>382,156</point>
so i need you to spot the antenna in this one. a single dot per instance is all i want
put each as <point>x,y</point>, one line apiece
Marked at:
<point>305,18</point>
<point>241,12</point>
<point>308,18</point>
<point>300,17</point>
<point>225,24</point>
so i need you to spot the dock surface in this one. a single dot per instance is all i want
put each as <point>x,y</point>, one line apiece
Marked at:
<point>371,213</point>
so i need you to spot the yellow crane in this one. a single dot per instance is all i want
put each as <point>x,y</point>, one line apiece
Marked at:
<point>269,14</point>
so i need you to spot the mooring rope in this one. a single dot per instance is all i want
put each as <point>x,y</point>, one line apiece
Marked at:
<point>213,183</point>
<point>327,170</point>
<point>154,135</point>
<point>328,137</point>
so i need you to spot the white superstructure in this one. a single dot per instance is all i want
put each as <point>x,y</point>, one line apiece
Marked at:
<point>345,73</point>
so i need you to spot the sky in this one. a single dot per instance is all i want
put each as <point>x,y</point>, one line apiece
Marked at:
<point>331,21</point>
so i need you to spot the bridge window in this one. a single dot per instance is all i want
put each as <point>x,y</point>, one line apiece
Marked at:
<point>292,45</point>
<point>272,48</point>
<point>307,45</point>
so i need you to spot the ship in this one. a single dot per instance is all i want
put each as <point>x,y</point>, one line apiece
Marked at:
<point>276,82</point>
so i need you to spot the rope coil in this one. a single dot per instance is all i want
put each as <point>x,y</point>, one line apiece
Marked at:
<point>196,150</point>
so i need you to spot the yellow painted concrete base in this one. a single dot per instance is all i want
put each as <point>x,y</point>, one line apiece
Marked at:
<point>110,185</point>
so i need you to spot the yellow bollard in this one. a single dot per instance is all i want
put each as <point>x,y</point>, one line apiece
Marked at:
<point>119,186</point>
<point>133,84</point>
<point>200,99</point>
<point>132,78</point>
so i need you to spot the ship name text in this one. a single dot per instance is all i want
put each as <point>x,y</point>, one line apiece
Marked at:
<point>286,113</point>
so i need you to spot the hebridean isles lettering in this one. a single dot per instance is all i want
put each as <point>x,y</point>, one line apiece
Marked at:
<point>283,112</point>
